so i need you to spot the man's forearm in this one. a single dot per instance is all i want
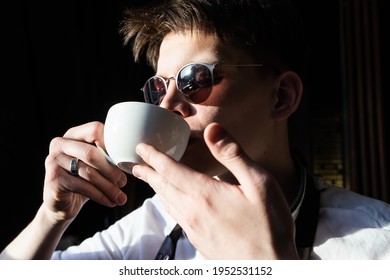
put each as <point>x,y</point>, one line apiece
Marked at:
<point>37,241</point>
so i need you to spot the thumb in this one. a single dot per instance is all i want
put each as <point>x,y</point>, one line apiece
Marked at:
<point>229,153</point>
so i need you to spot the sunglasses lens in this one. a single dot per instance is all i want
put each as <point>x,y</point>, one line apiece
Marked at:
<point>154,90</point>
<point>195,81</point>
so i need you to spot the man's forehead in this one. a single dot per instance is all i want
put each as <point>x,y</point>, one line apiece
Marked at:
<point>178,49</point>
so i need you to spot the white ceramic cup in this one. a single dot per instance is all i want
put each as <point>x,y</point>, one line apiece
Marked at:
<point>130,123</point>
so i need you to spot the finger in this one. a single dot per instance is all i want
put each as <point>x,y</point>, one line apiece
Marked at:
<point>180,205</point>
<point>170,180</point>
<point>89,181</point>
<point>99,187</point>
<point>91,132</point>
<point>92,167</point>
<point>76,185</point>
<point>229,153</point>
<point>168,192</point>
<point>172,173</point>
<point>88,137</point>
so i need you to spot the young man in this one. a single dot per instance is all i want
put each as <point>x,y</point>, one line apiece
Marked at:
<point>231,69</point>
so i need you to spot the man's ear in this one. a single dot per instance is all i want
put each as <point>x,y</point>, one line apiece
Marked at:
<point>289,93</point>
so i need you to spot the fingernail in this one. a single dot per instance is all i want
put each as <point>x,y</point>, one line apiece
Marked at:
<point>121,198</point>
<point>135,171</point>
<point>139,149</point>
<point>122,181</point>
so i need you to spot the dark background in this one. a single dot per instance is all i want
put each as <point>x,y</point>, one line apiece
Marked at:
<point>64,65</point>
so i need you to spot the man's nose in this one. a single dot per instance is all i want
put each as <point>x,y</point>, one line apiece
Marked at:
<point>175,101</point>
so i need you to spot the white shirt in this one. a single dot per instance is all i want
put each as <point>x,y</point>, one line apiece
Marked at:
<point>350,226</point>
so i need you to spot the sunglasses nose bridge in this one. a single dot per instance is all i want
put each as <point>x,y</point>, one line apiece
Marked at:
<point>174,100</point>
<point>168,82</point>
<point>172,91</point>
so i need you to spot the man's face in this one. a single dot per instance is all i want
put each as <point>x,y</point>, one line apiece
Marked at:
<point>241,99</point>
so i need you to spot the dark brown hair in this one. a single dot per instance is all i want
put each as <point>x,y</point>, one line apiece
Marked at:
<point>265,29</point>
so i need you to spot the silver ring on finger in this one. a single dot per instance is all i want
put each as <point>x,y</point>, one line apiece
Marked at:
<point>74,166</point>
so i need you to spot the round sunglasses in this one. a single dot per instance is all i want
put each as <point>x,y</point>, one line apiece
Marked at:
<point>194,80</point>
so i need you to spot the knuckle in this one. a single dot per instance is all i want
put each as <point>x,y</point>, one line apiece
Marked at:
<point>164,170</point>
<point>54,143</point>
<point>230,151</point>
<point>88,171</point>
<point>204,199</point>
<point>53,170</point>
<point>89,153</point>
<point>49,160</point>
<point>97,130</point>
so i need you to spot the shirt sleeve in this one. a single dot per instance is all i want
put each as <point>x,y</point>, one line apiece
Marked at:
<point>137,235</point>
<point>352,226</point>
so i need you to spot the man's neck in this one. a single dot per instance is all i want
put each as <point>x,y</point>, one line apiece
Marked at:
<point>289,179</point>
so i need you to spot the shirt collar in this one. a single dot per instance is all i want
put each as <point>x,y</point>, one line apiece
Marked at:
<point>297,202</point>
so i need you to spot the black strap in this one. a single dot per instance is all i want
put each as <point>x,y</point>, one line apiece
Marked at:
<point>168,247</point>
<point>305,225</point>
<point>306,222</point>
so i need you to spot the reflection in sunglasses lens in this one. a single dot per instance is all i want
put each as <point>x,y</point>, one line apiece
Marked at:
<point>194,80</point>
